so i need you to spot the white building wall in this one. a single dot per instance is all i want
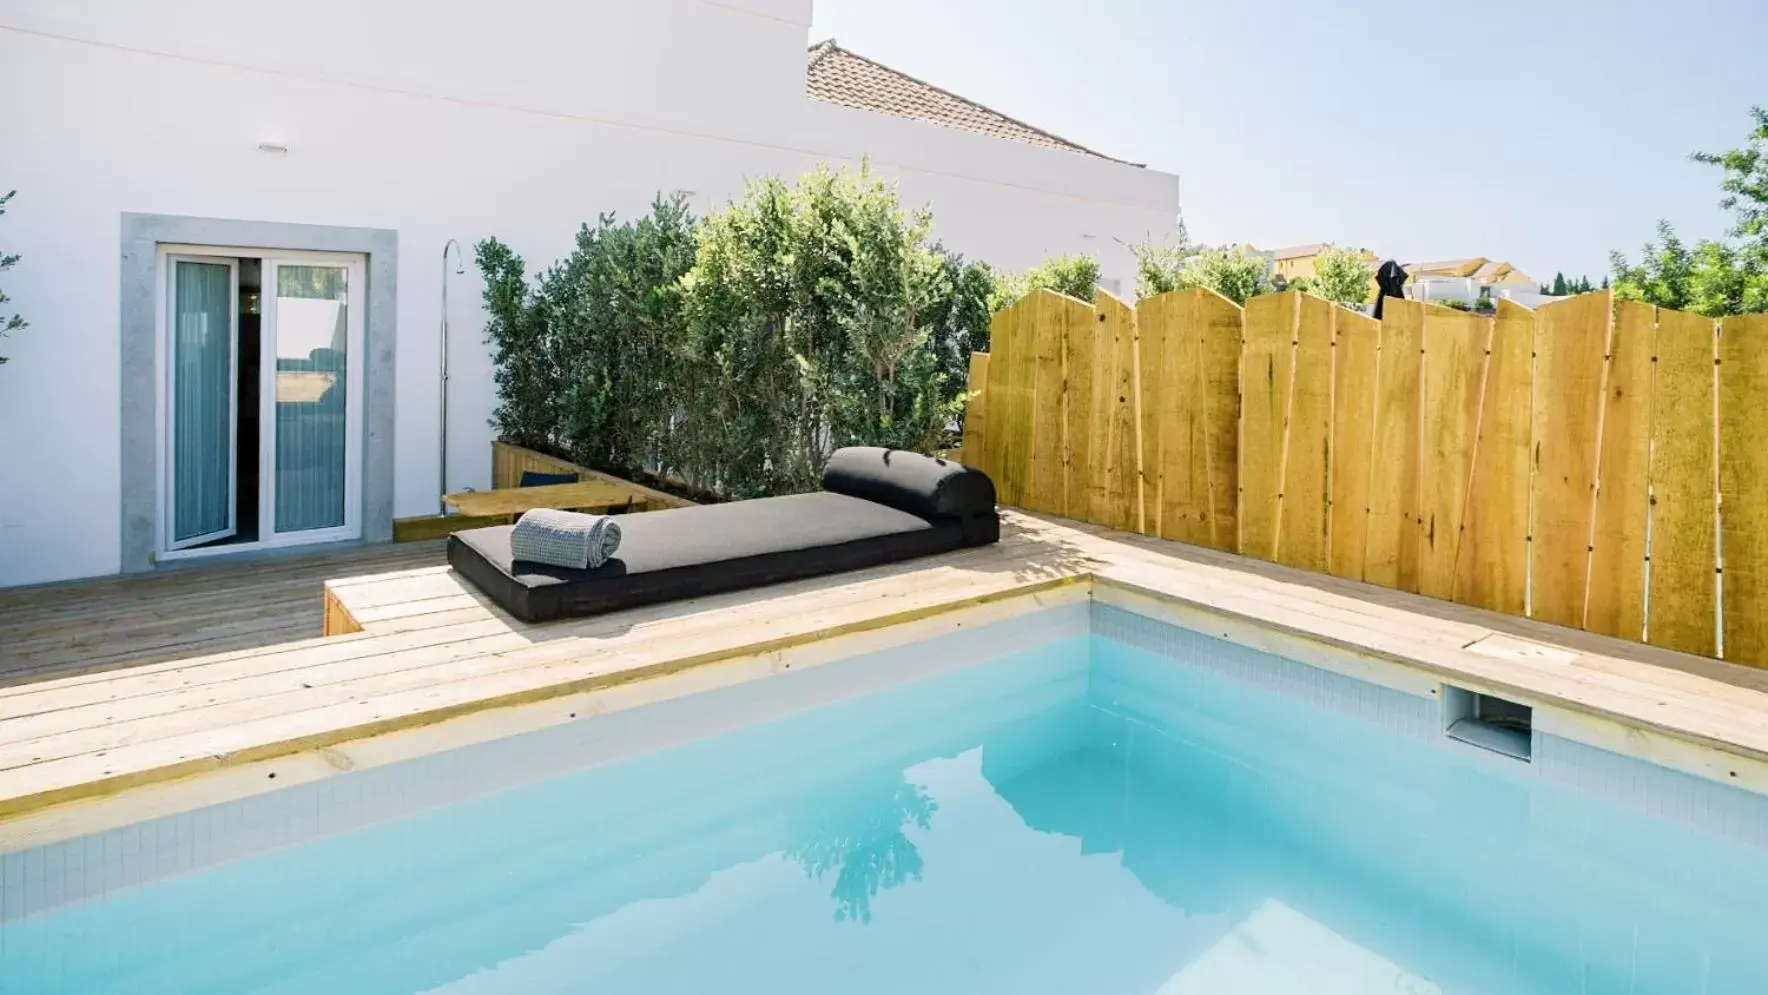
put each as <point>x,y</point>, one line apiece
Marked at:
<point>436,120</point>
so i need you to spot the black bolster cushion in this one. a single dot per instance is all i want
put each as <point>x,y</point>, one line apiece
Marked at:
<point>920,485</point>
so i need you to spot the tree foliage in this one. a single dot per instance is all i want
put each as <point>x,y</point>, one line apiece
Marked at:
<point>1234,273</point>
<point>735,353</point>
<point>1715,277</point>
<point>1076,275</point>
<point>8,322</point>
<point>1159,265</point>
<point>526,374</point>
<point>1341,275</point>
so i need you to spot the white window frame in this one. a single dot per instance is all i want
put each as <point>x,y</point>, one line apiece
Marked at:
<point>356,302</point>
<point>355,272</point>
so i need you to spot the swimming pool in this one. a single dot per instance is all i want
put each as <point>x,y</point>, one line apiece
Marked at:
<point>1084,801</point>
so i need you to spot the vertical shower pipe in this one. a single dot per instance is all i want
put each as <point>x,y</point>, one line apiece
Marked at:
<point>442,473</point>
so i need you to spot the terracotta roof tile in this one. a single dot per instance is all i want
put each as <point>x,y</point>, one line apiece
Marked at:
<point>837,76</point>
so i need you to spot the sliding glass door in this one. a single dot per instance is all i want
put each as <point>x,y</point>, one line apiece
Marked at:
<point>310,384</point>
<point>203,402</point>
<point>291,383</point>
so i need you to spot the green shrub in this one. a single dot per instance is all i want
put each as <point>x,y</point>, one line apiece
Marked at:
<point>8,323</point>
<point>813,313</point>
<point>1075,275</point>
<point>526,373</point>
<point>736,353</point>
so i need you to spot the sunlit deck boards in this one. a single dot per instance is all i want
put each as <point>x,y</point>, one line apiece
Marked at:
<point>177,613</point>
<point>433,649</point>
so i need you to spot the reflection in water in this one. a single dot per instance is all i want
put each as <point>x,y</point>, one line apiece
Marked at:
<point>860,835</point>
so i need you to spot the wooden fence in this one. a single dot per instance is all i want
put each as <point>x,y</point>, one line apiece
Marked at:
<point>1595,463</point>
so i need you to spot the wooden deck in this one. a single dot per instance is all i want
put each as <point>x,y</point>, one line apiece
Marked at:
<point>96,626</point>
<point>433,652</point>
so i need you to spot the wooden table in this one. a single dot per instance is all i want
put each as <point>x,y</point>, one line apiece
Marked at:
<point>584,495</point>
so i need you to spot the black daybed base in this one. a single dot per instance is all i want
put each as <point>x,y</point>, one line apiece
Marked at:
<point>878,506</point>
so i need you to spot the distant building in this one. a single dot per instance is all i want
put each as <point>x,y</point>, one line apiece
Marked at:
<point>1298,260</point>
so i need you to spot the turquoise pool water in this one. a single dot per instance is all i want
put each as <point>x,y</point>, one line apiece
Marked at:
<point>1086,818</point>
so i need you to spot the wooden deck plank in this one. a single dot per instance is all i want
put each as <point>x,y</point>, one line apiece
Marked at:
<point>115,623</point>
<point>78,736</point>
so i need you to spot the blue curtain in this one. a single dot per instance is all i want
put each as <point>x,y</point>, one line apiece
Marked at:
<point>311,376</point>
<point>202,398</point>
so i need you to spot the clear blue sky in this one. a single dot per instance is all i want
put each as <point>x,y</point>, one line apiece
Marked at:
<point>1545,132</point>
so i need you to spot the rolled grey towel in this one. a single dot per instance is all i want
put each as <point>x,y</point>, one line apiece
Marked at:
<point>564,538</point>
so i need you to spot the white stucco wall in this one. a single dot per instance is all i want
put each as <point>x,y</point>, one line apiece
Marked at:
<point>436,120</point>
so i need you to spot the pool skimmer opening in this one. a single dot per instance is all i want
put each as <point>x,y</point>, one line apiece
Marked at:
<point>1488,722</point>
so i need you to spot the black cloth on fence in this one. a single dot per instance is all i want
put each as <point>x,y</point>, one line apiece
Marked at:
<point>1391,281</point>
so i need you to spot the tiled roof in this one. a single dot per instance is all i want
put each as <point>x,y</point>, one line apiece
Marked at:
<point>838,76</point>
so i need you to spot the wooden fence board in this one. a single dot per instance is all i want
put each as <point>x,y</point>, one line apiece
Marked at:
<point>1043,483</point>
<point>1269,355</point>
<point>1452,383</point>
<point>1683,610</point>
<point>1492,565</point>
<point>1009,408</point>
<point>1115,406</point>
<point>1087,367</point>
<point>1304,532</point>
<point>1355,353</point>
<point>974,449</point>
<point>1159,327</point>
<point>1221,322</point>
<point>1615,604</point>
<point>1391,557</point>
<point>1571,343</point>
<point>1743,482</point>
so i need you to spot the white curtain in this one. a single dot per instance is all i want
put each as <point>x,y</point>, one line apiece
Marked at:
<point>311,374</point>
<point>202,399</point>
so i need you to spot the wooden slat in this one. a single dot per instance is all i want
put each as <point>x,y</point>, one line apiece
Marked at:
<point>1304,530</point>
<point>1355,353</point>
<point>1088,418</point>
<point>1571,343</point>
<point>1118,503</point>
<point>1159,332</point>
<point>1455,346</point>
<point>508,461</point>
<point>1044,488</point>
<point>1221,324</point>
<point>1391,558</point>
<point>1269,355</point>
<point>1615,605</point>
<point>1492,565</point>
<point>1179,496</point>
<point>1009,390</point>
<point>585,494</point>
<point>976,414</point>
<point>1684,595</point>
<point>1743,482</point>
